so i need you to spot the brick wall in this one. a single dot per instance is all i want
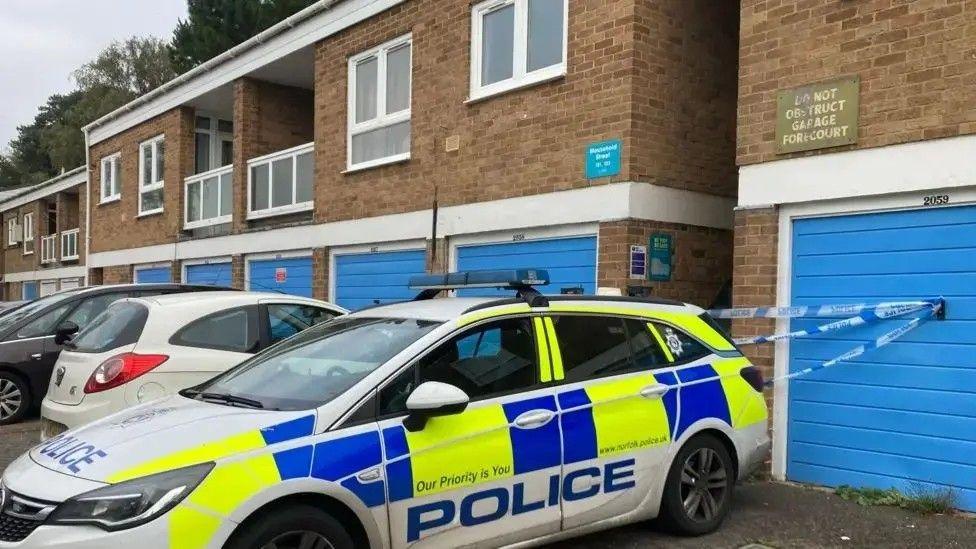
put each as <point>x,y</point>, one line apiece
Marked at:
<point>237,271</point>
<point>916,60</point>
<point>754,278</point>
<point>14,259</point>
<point>267,118</point>
<point>320,273</point>
<point>115,225</point>
<point>702,261</point>
<point>684,98</point>
<point>117,274</point>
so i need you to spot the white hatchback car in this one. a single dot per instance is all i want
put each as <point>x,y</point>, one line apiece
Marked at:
<point>143,349</point>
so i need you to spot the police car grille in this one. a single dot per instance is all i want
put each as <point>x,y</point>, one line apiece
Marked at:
<point>14,529</point>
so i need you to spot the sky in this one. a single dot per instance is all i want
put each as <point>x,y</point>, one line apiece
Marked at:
<point>43,41</point>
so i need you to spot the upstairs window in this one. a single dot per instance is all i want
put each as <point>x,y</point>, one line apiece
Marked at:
<point>28,233</point>
<point>379,105</point>
<point>12,237</point>
<point>111,184</point>
<point>213,143</point>
<point>151,167</point>
<point>516,43</point>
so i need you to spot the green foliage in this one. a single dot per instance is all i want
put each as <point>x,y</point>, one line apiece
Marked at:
<point>215,26</point>
<point>921,499</point>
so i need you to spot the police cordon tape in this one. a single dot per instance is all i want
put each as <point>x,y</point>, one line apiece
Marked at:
<point>864,315</point>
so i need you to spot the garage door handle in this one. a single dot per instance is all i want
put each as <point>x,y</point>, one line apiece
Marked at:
<point>534,419</point>
<point>654,391</point>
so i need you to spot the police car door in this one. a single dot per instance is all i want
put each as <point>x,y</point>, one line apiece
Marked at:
<point>618,405</point>
<point>489,475</point>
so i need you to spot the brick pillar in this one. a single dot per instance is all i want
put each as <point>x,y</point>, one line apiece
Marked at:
<point>237,271</point>
<point>320,273</point>
<point>439,262</point>
<point>754,278</point>
<point>184,157</point>
<point>246,127</point>
<point>95,276</point>
<point>176,271</point>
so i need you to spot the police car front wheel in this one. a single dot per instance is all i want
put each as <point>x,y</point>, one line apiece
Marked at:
<point>293,527</point>
<point>698,492</point>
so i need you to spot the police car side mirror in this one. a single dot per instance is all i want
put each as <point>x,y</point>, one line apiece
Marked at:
<point>64,332</point>
<point>433,399</point>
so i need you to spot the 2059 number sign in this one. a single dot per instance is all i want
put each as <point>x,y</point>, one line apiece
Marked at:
<point>935,200</point>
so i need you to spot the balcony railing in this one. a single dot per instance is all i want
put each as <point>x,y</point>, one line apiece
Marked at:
<point>209,198</point>
<point>281,183</point>
<point>49,248</point>
<point>69,245</point>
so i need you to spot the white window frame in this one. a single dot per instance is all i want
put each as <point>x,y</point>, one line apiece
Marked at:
<point>110,166</point>
<point>49,248</point>
<point>520,77</point>
<point>157,178</point>
<point>268,159</point>
<point>217,139</point>
<point>29,233</point>
<point>69,244</point>
<point>198,180</point>
<point>382,119</point>
<point>12,239</point>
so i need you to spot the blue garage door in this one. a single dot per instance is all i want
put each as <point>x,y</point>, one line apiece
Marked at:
<point>363,280</point>
<point>902,416</point>
<point>153,275</point>
<point>290,275</point>
<point>30,290</point>
<point>571,262</point>
<point>213,274</point>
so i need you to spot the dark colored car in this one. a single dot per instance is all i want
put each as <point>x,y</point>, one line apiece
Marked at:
<point>31,337</point>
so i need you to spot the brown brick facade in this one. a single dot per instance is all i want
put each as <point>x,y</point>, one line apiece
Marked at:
<point>702,260</point>
<point>916,60</point>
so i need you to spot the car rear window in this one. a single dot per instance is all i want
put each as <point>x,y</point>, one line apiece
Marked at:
<point>119,325</point>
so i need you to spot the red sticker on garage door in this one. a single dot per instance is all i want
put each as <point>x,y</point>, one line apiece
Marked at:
<point>281,275</point>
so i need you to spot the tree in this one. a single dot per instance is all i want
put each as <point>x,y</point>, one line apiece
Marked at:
<point>136,66</point>
<point>214,26</point>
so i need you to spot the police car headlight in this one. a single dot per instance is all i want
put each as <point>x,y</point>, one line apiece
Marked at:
<point>132,503</point>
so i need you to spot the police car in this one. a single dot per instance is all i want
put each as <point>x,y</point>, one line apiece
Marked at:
<point>456,422</point>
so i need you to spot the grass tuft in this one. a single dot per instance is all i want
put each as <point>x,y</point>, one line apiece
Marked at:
<point>920,499</point>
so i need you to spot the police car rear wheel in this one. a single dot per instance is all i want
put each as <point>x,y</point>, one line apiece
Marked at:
<point>293,527</point>
<point>698,493</point>
<point>14,398</point>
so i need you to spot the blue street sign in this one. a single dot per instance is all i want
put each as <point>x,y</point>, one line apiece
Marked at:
<point>603,159</point>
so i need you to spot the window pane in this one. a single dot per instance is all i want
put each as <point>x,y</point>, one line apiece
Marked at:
<point>193,202</point>
<point>398,79</point>
<point>92,307</point>
<point>545,34</point>
<point>286,320</point>
<point>366,76</point>
<point>106,179</point>
<point>504,362</point>
<point>226,152</point>
<point>226,194</point>
<point>152,200</point>
<point>592,346</point>
<point>225,126</point>
<point>210,203</point>
<point>202,123</point>
<point>281,183</point>
<point>159,160</point>
<point>116,176</point>
<point>305,177</point>
<point>202,163</point>
<point>45,324</point>
<point>497,45</point>
<point>146,164</point>
<point>683,347</point>
<point>648,354</point>
<point>228,330</point>
<point>381,143</point>
<point>259,187</point>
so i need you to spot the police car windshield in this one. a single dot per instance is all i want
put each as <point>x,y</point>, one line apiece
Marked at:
<point>319,364</point>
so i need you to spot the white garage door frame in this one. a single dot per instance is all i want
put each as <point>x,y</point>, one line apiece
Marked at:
<point>378,247</point>
<point>525,235</point>
<point>207,261</point>
<point>787,214</point>
<point>290,254</point>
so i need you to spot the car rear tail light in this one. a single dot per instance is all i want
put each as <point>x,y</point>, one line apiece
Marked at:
<point>753,376</point>
<point>121,369</point>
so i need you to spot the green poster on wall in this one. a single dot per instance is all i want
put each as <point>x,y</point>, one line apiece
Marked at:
<point>660,256</point>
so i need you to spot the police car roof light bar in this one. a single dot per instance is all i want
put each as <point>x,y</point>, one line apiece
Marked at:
<point>521,280</point>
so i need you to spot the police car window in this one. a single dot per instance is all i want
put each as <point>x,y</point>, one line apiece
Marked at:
<point>120,324</point>
<point>493,359</point>
<point>319,364</point>
<point>230,330</point>
<point>681,346</point>
<point>592,346</point>
<point>287,319</point>
<point>648,353</point>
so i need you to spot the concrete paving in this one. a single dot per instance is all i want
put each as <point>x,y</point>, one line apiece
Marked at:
<point>765,514</point>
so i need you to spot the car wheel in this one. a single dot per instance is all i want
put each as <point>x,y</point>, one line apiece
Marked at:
<point>293,527</point>
<point>15,398</point>
<point>698,491</point>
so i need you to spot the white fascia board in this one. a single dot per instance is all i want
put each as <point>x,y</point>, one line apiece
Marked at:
<point>612,202</point>
<point>63,182</point>
<point>257,54</point>
<point>921,165</point>
<point>78,271</point>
